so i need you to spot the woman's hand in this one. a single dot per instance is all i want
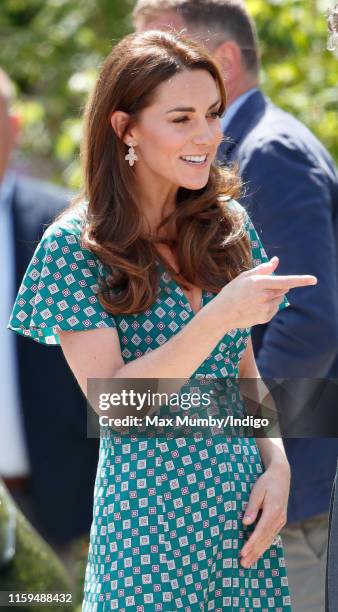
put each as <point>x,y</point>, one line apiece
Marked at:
<point>253,296</point>
<point>270,495</point>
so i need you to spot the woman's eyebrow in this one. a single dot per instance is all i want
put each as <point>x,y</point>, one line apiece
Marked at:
<point>189,109</point>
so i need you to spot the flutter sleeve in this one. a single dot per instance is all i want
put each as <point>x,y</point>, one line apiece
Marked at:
<point>59,289</point>
<point>259,254</point>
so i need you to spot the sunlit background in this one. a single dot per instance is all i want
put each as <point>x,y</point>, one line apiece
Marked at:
<point>52,50</point>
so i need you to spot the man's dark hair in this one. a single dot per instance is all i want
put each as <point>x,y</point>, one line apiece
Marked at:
<point>217,20</point>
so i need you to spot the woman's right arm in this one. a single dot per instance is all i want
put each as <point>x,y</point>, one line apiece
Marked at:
<point>251,298</point>
<point>97,353</point>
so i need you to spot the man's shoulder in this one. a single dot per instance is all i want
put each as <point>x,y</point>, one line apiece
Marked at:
<point>275,129</point>
<point>47,199</point>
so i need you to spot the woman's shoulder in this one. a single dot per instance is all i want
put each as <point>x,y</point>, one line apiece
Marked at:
<point>60,287</point>
<point>233,204</point>
<point>237,210</point>
<point>61,244</point>
<point>71,222</point>
<point>63,237</point>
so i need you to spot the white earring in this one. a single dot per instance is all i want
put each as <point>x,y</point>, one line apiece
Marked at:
<point>131,156</point>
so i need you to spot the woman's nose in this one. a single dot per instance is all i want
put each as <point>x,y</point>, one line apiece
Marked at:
<point>206,135</point>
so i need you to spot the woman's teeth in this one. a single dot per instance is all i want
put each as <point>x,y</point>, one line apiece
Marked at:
<point>195,159</point>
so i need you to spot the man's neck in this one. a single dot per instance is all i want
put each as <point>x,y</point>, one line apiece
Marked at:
<point>235,90</point>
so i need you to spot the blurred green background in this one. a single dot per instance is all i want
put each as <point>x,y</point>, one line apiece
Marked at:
<point>53,48</point>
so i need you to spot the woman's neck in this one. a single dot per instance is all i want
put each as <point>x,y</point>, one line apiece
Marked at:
<point>155,201</point>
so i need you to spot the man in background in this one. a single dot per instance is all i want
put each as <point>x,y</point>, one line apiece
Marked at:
<point>292,198</point>
<point>45,459</point>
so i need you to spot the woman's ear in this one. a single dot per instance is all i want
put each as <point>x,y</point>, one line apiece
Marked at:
<point>119,120</point>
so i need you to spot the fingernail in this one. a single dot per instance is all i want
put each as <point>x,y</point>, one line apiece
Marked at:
<point>247,517</point>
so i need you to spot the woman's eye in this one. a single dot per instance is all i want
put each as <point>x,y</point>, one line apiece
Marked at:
<point>214,115</point>
<point>181,120</point>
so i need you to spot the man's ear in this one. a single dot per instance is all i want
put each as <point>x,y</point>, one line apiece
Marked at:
<point>228,57</point>
<point>119,120</point>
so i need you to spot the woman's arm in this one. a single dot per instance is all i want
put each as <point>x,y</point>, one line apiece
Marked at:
<point>252,297</point>
<point>271,449</point>
<point>97,353</point>
<point>270,493</point>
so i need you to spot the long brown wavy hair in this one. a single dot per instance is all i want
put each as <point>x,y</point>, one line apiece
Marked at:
<point>207,235</point>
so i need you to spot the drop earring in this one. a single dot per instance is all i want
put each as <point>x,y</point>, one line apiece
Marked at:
<point>131,155</point>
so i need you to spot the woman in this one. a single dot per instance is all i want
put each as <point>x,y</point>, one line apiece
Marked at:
<point>173,254</point>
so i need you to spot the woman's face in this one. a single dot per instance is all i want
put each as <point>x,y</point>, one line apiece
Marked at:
<point>177,136</point>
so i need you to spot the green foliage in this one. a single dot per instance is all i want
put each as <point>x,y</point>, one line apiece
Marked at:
<point>298,73</point>
<point>34,568</point>
<point>53,48</point>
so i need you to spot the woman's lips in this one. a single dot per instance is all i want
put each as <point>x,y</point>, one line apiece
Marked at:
<point>196,164</point>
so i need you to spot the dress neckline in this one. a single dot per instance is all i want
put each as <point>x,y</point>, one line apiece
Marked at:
<point>184,301</point>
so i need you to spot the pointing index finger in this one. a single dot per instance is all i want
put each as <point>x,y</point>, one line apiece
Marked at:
<point>289,282</point>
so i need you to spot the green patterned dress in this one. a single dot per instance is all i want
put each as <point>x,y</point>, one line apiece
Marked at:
<point>167,514</point>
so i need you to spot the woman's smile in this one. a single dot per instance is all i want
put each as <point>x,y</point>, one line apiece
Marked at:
<point>199,161</point>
